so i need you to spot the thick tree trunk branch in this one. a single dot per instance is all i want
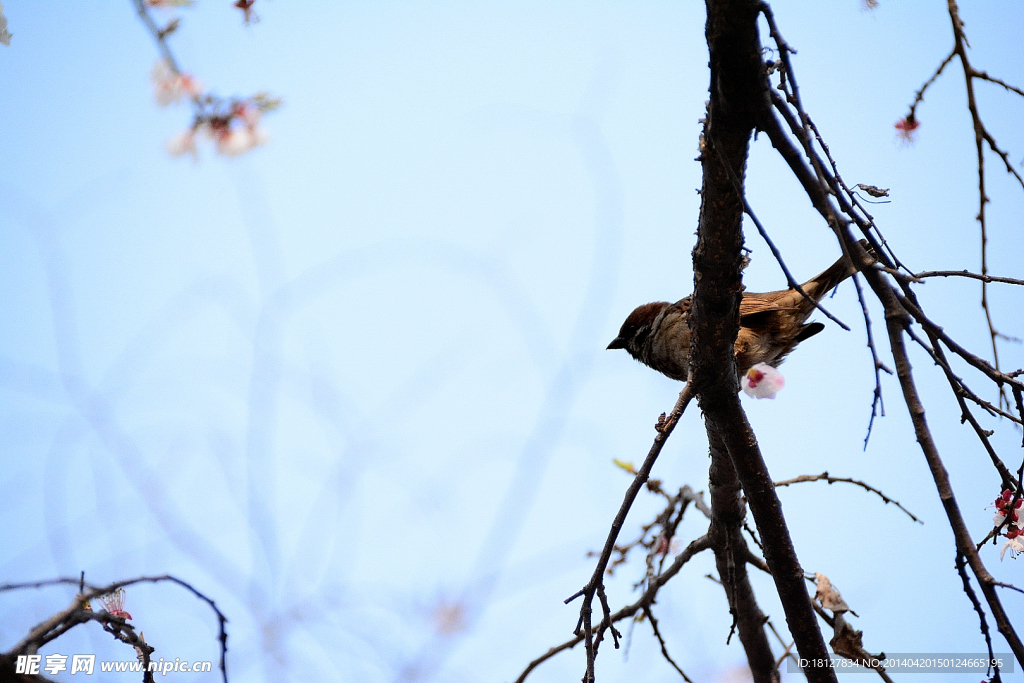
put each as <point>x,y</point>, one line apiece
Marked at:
<point>731,554</point>
<point>739,99</point>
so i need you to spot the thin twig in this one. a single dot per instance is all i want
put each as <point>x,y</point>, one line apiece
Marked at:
<point>877,402</point>
<point>978,363</point>
<point>959,386</point>
<point>919,95</point>
<point>896,323</point>
<point>961,392</point>
<point>998,81</point>
<point>967,273</point>
<point>969,591</point>
<point>866,223</point>
<point>661,641</point>
<point>787,649</point>
<point>160,36</point>
<point>596,582</point>
<point>824,476</point>
<point>1008,585</point>
<point>696,546</point>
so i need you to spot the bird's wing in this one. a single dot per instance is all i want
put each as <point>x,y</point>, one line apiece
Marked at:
<point>752,305</point>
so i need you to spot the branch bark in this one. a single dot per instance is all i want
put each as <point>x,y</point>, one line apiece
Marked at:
<point>739,99</point>
<point>731,553</point>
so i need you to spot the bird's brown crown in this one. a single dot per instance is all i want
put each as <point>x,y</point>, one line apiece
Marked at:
<point>633,329</point>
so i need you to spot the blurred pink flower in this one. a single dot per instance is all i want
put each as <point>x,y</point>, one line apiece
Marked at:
<point>449,618</point>
<point>170,86</point>
<point>183,143</point>
<point>234,141</point>
<point>1007,507</point>
<point>905,128</point>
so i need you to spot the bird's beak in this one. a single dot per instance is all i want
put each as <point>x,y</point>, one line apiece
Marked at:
<point>617,343</point>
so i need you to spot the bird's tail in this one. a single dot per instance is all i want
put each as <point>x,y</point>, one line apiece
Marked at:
<point>825,281</point>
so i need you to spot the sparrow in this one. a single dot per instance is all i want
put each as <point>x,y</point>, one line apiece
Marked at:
<point>771,325</point>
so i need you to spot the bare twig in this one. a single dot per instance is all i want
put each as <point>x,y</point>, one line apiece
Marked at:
<point>1009,586</point>
<point>961,392</point>
<point>696,546</point>
<point>661,641</point>
<point>584,626</point>
<point>981,75</point>
<point>969,591</point>
<point>895,323</point>
<point>909,304</point>
<point>966,273</point>
<point>824,476</point>
<point>787,648</point>
<point>919,95</point>
<point>877,402</point>
<point>160,36</point>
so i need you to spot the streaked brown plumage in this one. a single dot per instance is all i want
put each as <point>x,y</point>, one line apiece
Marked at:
<point>771,325</point>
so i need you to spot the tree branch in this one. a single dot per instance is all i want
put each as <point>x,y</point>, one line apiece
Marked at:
<point>824,476</point>
<point>739,98</point>
<point>584,628</point>
<point>696,546</point>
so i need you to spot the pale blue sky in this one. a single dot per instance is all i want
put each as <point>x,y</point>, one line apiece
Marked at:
<point>359,374</point>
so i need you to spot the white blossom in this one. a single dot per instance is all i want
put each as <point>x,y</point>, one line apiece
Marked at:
<point>183,143</point>
<point>1000,519</point>
<point>248,114</point>
<point>762,381</point>
<point>1015,545</point>
<point>169,86</point>
<point>238,141</point>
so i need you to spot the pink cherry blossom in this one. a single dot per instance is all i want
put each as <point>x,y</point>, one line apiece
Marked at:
<point>762,381</point>
<point>183,143</point>
<point>234,141</point>
<point>248,113</point>
<point>171,86</point>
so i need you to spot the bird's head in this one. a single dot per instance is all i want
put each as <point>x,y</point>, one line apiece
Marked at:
<point>636,330</point>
